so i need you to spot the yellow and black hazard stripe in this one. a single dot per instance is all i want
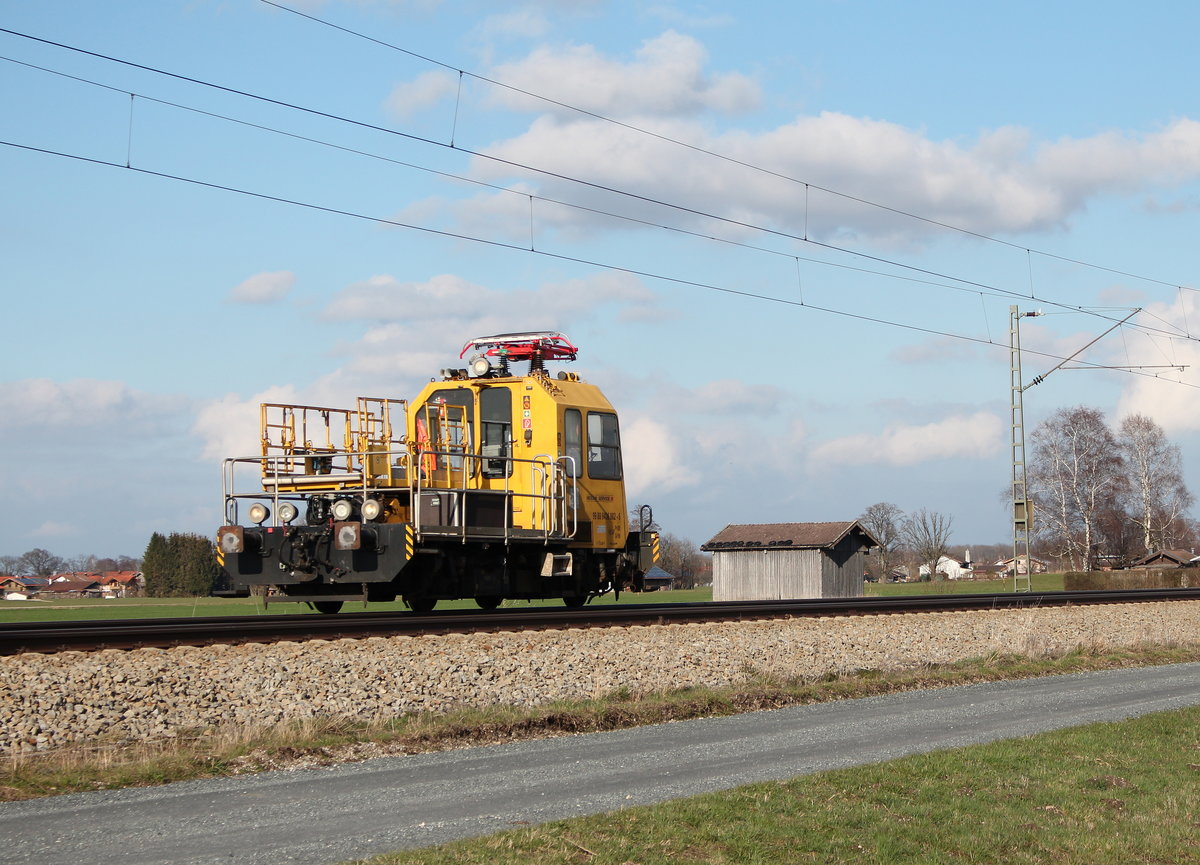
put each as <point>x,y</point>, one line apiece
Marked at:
<point>655,551</point>
<point>410,541</point>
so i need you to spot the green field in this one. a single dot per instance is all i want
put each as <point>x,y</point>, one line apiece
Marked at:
<point>147,608</point>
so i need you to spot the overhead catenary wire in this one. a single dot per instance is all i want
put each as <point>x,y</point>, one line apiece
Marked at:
<point>966,284</point>
<point>718,155</point>
<point>562,257</point>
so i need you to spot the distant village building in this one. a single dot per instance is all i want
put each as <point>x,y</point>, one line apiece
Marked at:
<point>774,561</point>
<point>21,588</point>
<point>952,569</point>
<point>76,584</point>
<point>656,578</point>
<point>122,584</point>
<point>1006,565</point>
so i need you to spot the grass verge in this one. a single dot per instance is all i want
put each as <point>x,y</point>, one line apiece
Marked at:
<point>226,751</point>
<point>75,609</point>
<point>1104,794</point>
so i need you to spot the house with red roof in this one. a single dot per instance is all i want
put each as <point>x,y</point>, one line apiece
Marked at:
<point>122,584</point>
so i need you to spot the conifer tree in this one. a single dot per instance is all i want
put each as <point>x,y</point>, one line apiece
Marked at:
<point>156,567</point>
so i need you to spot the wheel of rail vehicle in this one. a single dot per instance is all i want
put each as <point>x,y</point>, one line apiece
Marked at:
<point>489,602</point>
<point>421,605</point>
<point>575,601</point>
<point>327,607</point>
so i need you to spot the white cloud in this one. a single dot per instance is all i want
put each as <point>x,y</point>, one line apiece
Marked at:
<point>427,89</point>
<point>458,306</point>
<point>84,461</point>
<point>229,427</point>
<point>1004,181</point>
<point>1158,393</point>
<point>413,330</point>
<point>525,22</point>
<point>263,288</point>
<point>69,407</point>
<point>667,77</point>
<point>976,435</point>
<point>652,459</point>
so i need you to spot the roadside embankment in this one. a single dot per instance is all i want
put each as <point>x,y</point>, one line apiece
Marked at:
<point>48,701</point>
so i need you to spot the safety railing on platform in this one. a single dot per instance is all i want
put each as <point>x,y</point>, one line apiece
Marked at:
<point>552,496</point>
<point>275,481</point>
<point>308,448</point>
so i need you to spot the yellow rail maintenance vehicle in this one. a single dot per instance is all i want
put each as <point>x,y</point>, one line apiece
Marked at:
<point>490,485</point>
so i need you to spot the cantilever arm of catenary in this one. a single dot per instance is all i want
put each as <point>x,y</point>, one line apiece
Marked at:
<point>1038,379</point>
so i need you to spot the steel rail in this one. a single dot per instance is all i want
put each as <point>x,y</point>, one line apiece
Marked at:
<point>59,636</point>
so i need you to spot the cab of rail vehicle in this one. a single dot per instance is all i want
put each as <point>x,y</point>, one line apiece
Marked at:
<point>535,452</point>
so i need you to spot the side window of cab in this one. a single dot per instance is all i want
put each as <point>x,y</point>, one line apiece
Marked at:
<point>603,446</point>
<point>495,418</point>
<point>573,441</point>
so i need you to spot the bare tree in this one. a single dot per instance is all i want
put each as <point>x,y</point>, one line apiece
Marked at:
<point>680,558</point>
<point>1158,497</point>
<point>11,566</point>
<point>1076,473</point>
<point>40,563</point>
<point>884,521</point>
<point>83,563</point>
<point>927,534</point>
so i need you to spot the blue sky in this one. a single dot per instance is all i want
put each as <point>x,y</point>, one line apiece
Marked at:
<point>763,266</point>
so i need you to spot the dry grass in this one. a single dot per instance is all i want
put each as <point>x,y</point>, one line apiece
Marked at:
<point>325,741</point>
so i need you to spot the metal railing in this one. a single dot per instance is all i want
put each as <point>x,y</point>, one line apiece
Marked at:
<point>278,481</point>
<point>552,496</point>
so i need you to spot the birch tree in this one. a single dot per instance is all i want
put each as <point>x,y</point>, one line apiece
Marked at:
<point>1076,472</point>
<point>1158,497</point>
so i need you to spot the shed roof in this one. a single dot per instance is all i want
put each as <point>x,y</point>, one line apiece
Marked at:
<point>1178,556</point>
<point>786,535</point>
<point>658,573</point>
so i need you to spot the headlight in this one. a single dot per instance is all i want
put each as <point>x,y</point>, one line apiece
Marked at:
<point>342,510</point>
<point>371,509</point>
<point>259,513</point>
<point>479,366</point>
<point>288,512</point>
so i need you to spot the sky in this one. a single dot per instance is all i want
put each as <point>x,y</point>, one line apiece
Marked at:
<point>785,236</point>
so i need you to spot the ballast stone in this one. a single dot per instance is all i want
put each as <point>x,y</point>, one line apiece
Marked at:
<point>51,700</point>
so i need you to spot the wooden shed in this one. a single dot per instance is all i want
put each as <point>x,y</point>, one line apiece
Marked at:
<point>773,561</point>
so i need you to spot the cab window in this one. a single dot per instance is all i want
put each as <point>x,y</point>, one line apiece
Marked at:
<point>573,440</point>
<point>446,422</point>
<point>603,446</point>
<point>495,418</point>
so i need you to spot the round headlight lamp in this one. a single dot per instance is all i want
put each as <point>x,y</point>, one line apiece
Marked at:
<point>479,366</point>
<point>259,513</point>
<point>371,509</point>
<point>342,510</point>
<point>288,512</point>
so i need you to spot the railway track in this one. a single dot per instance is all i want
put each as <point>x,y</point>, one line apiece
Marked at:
<point>50,637</point>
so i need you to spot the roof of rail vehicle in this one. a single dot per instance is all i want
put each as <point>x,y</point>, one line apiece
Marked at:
<point>569,391</point>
